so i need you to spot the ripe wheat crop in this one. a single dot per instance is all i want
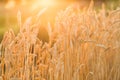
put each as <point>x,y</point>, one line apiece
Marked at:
<point>84,45</point>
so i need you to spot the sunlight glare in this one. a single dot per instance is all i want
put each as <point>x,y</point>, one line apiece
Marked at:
<point>47,3</point>
<point>10,4</point>
<point>43,4</point>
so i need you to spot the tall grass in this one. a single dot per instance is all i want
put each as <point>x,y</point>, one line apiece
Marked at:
<point>85,45</point>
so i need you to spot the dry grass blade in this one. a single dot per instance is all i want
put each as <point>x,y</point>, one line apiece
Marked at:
<point>19,19</point>
<point>40,13</point>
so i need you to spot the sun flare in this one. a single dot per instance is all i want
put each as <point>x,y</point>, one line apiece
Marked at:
<point>47,3</point>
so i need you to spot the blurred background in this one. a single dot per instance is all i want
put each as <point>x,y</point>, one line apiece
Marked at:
<point>9,9</point>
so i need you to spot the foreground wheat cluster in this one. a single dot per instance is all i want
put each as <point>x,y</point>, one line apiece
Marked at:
<point>85,45</point>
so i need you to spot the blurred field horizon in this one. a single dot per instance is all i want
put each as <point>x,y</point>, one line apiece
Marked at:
<point>9,9</point>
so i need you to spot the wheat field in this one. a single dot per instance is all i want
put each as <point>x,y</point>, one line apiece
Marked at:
<point>84,45</point>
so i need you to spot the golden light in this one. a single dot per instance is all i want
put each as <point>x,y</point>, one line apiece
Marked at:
<point>52,7</point>
<point>10,4</point>
<point>43,4</point>
<point>47,3</point>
